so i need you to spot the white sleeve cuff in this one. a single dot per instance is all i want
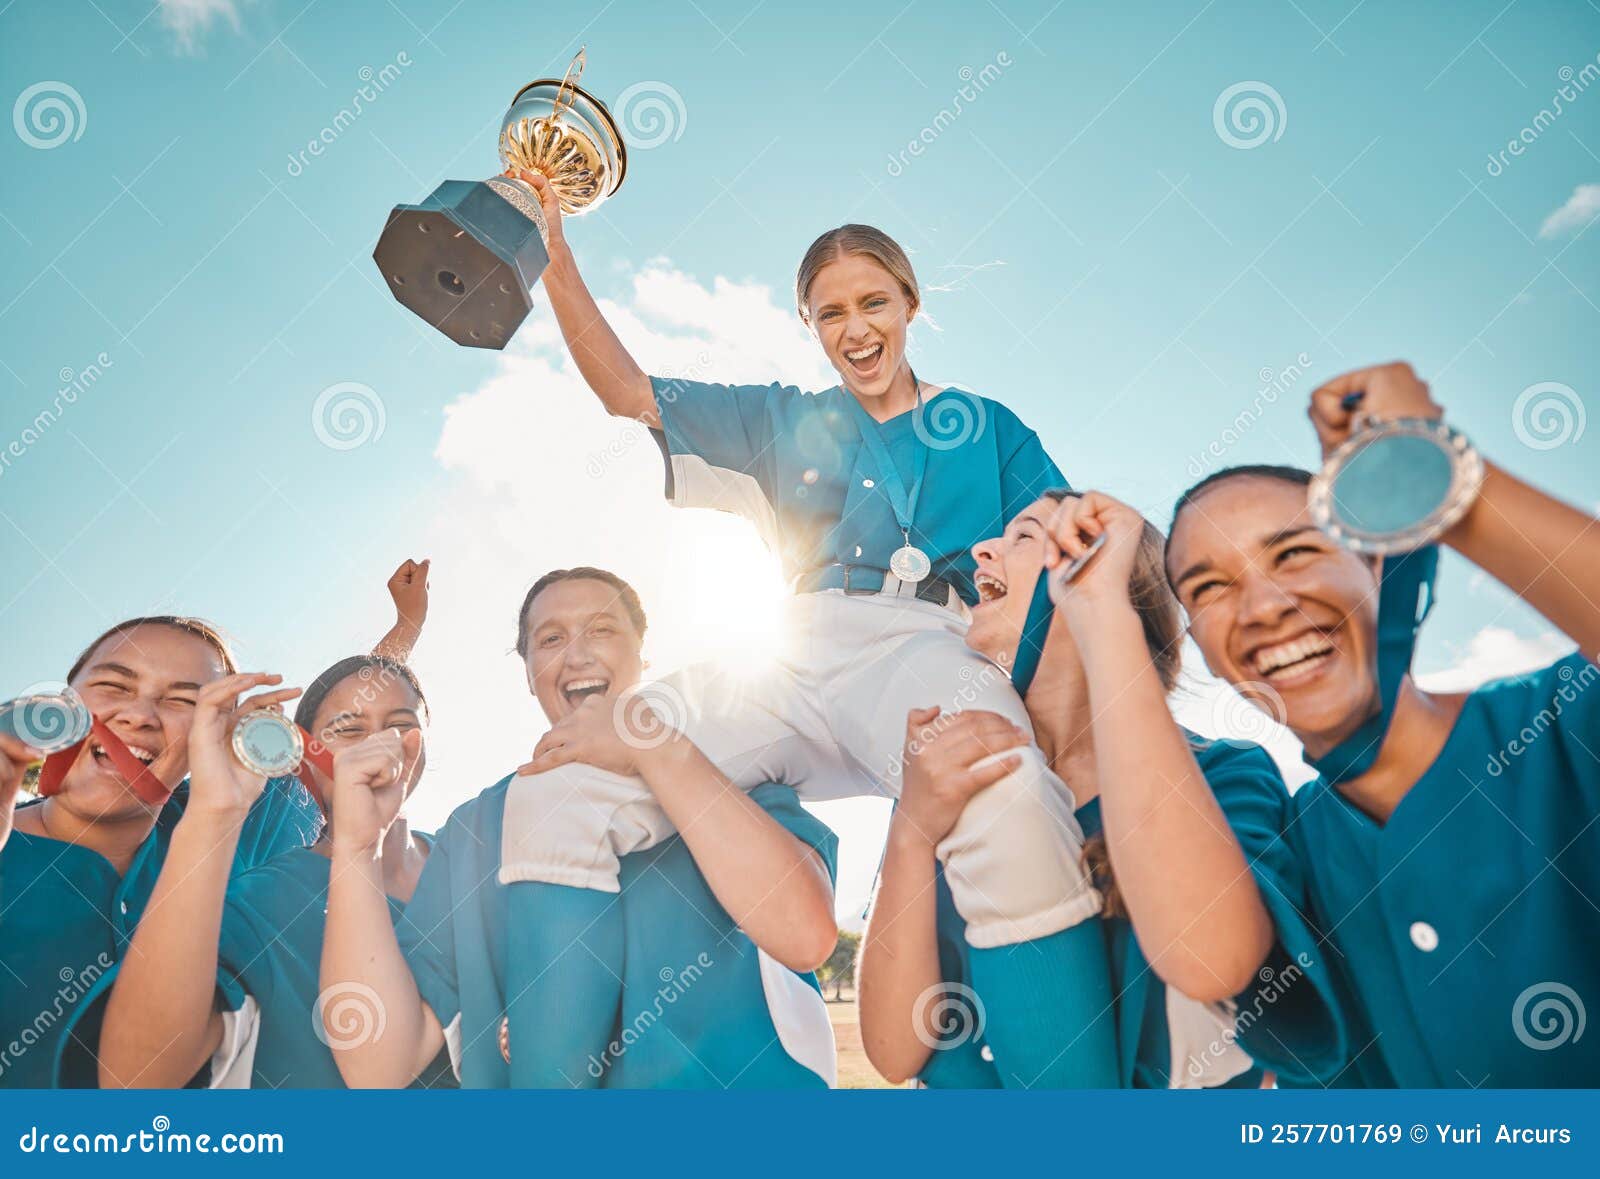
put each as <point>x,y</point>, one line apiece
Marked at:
<point>234,1060</point>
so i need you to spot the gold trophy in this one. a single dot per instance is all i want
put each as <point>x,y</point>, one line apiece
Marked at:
<point>466,257</point>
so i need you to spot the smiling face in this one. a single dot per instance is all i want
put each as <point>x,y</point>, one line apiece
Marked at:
<point>1277,608</point>
<point>360,705</point>
<point>581,643</point>
<point>1009,566</point>
<point>142,683</point>
<point>859,312</point>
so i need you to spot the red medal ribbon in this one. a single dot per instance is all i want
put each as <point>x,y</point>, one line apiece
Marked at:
<point>321,757</point>
<point>140,778</point>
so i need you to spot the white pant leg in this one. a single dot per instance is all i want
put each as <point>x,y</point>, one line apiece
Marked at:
<point>1014,859</point>
<point>570,825</point>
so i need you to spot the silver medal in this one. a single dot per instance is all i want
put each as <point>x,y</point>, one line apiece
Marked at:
<point>910,564</point>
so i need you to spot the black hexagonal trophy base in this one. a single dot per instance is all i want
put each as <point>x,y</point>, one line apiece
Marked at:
<point>464,260</point>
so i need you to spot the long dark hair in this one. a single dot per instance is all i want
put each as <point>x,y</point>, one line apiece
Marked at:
<point>369,668</point>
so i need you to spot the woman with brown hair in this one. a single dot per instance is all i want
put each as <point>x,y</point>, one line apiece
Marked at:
<point>1165,812</point>
<point>872,493</point>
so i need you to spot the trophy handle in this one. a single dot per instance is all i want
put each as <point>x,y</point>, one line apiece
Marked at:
<point>569,80</point>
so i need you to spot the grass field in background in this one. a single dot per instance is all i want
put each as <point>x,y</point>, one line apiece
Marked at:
<point>855,1072</point>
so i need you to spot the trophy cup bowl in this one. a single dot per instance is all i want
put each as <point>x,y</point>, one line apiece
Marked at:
<point>465,258</point>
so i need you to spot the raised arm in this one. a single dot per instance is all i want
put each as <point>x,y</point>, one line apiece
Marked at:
<point>1544,551</point>
<point>1181,872</point>
<point>408,587</point>
<point>359,947</point>
<point>775,887</point>
<point>161,1023</point>
<point>898,977</point>
<point>621,385</point>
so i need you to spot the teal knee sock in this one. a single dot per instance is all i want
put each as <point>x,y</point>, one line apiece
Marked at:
<point>1047,1007</point>
<point>563,983</point>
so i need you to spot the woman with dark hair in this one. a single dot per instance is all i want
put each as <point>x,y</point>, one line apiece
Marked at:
<point>78,868</point>
<point>698,971</point>
<point>220,983</point>
<point>1451,844</point>
<point>1163,810</point>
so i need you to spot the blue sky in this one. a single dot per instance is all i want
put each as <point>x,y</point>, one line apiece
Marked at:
<point>1097,255</point>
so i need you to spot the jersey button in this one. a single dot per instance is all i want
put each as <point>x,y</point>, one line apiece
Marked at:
<point>1424,936</point>
<point>868,483</point>
<point>987,1053</point>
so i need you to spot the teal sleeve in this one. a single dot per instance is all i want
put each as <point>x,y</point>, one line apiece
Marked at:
<point>284,817</point>
<point>1028,472</point>
<point>239,945</point>
<point>728,426</point>
<point>1290,1019</point>
<point>959,1061</point>
<point>783,804</point>
<point>426,931</point>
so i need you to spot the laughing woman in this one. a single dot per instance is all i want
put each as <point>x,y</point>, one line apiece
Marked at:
<point>700,968</point>
<point>871,492</point>
<point>1162,809</point>
<point>1457,873</point>
<point>220,983</point>
<point>79,866</point>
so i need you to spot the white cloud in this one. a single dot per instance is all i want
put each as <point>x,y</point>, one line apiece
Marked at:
<point>1582,207</point>
<point>190,20</point>
<point>1494,653</point>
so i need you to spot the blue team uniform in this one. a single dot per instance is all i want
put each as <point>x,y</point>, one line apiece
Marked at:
<point>66,918</point>
<point>269,960</point>
<point>1467,924</point>
<point>795,464</point>
<point>701,1005</point>
<point>1289,1021</point>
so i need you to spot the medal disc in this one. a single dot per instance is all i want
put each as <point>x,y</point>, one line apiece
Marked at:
<point>268,743</point>
<point>910,563</point>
